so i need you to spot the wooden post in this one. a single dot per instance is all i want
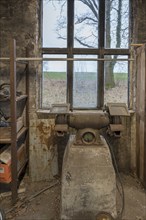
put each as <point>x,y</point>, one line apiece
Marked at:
<point>13,120</point>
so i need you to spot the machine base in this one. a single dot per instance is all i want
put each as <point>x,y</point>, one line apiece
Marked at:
<point>88,181</point>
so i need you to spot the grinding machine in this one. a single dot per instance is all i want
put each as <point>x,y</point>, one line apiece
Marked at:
<point>88,189</point>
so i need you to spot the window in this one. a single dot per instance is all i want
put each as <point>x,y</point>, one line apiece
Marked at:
<point>86,24</point>
<point>86,46</point>
<point>54,81</point>
<point>54,24</point>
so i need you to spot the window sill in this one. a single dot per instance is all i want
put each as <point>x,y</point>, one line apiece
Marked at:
<point>48,112</point>
<point>43,113</point>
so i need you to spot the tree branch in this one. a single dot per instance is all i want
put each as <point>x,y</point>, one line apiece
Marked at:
<point>83,43</point>
<point>90,4</point>
<point>82,19</point>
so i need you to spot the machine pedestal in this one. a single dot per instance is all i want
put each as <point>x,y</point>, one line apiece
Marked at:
<point>88,181</point>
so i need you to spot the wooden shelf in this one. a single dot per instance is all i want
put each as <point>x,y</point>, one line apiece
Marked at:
<point>20,101</point>
<point>18,98</point>
<point>19,134</point>
<point>21,97</point>
<point>22,168</point>
<point>5,141</point>
<point>13,108</point>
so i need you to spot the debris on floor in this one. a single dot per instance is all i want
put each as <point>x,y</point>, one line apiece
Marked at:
<point>41,200</point>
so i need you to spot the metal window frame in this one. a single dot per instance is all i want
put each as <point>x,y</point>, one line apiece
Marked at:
<point>101,51</point>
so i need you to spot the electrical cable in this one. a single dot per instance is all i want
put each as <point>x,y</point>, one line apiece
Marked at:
<point>120,180</point>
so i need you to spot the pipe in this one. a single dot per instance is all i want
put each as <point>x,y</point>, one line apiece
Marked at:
<point>63,59</point>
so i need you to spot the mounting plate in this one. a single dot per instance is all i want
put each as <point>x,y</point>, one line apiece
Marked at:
<point>118,109</point>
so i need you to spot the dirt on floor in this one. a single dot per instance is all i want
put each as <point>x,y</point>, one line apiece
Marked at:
<point>41,200</point>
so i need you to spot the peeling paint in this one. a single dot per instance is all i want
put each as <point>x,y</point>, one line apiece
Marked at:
<point>46,133</point>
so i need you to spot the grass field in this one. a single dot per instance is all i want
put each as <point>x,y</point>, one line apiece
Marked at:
<point>86,76</point>
<point>55,75</point>
<point>120,76</point>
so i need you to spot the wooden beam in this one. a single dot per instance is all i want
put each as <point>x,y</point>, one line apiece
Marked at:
<point>70,43</point>
<point>101,34</point>
<point>13,120</point>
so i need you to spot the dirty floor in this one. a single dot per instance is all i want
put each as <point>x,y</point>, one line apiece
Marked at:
<point>41,200</point>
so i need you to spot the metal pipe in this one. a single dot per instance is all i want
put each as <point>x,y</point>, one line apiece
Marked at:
<point>70,59</point>
<point>4,58</point>
<point>63,59</point>
<point>136,45</point>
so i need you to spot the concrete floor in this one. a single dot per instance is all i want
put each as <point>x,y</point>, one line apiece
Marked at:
<point>46,206</point>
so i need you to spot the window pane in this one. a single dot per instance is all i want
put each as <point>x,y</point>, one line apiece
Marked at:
<point>117,24</point>
<point>116,80</point>
<point>54,23</point>
<point>86,23</point>
<point>54,81</point>
<point>85,83</point>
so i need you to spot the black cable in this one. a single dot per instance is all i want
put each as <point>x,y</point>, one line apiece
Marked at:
<point>120,180</point>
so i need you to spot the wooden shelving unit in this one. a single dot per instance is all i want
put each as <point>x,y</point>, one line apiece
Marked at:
<point>15,136</point>
<point>9,140</point>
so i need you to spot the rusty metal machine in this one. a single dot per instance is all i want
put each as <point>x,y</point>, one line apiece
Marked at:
<point>88,189</point>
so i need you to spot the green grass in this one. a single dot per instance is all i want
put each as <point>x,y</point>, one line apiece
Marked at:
<point>87,76</point>
<point>55,75</point>
<point>120,76</point>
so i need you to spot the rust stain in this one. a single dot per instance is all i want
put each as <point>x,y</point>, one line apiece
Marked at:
<point>46,134</point>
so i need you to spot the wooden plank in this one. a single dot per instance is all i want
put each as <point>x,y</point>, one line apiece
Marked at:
<point>6,131</point>
<point>13,119</point>
<point>54,51</point>
<point>101,33</point>
<point>70,42</point>
<point>21,132</point>
<point>21,97</point>
<point>5,141</point>
<point>9,140</point>
<point>22,168</point>
<point>137,112</point>
<point>95,51</point>
<point>27,107</point>
<point>141,114</point>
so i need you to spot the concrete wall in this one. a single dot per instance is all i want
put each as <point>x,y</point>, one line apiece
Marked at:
<point>19,19</point>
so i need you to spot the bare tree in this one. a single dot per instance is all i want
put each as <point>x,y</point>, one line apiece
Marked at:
<point>109,66</point>
<point>86,29</point>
